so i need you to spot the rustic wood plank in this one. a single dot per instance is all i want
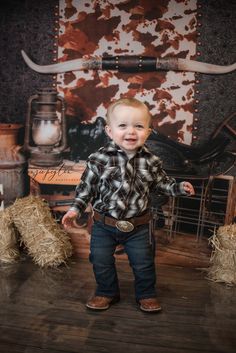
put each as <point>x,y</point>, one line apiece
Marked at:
<point>43,310</point>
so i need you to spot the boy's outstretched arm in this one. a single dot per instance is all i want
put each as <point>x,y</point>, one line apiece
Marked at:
<point>84,192</point>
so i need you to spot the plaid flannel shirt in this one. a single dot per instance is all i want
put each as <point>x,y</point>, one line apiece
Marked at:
<point>121,187</point>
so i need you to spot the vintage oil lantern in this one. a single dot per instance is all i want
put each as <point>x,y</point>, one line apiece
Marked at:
<point>45,128</point>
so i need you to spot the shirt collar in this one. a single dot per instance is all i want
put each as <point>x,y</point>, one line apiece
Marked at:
<point>113,147</point>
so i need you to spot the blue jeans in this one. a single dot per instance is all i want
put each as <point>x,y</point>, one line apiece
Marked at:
<point>104,240</point>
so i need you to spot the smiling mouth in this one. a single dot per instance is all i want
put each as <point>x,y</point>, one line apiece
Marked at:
<point>130,140</point>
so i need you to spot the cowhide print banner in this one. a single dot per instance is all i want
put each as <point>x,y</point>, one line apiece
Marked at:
<point>146,27</point>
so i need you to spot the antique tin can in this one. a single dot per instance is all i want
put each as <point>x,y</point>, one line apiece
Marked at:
<point>13,169</point>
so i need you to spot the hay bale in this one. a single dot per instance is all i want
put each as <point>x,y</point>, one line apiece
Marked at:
<point>227,236</point>
<point>9,251</point>
<point>223,259</point>
<point>46,242</point>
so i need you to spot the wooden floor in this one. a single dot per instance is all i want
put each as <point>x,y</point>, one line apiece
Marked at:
<point>44,311</point>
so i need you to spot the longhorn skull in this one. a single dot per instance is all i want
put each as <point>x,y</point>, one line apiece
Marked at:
<point>129,64</point>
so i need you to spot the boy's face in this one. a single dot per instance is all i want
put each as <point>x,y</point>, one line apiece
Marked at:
<point>128,127</point>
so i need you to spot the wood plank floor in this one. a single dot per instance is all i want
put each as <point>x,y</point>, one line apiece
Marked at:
<point>44,311</point>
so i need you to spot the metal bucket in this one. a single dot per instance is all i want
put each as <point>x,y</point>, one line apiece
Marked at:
<point>13,170</point>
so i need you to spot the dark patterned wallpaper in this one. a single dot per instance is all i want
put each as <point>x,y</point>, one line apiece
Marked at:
<point>30,25</point>
<point>217,45</point>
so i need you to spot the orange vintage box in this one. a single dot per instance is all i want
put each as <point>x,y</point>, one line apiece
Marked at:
<point>67,173</point>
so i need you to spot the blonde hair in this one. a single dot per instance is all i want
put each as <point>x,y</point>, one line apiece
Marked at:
<point>129,102</point>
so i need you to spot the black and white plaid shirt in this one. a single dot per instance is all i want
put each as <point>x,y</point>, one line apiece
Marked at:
<point>121,187</point>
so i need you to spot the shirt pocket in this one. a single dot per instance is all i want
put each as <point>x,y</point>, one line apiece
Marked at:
<point>111,178</point>
<point>143,180</point>
<point>144,175</point>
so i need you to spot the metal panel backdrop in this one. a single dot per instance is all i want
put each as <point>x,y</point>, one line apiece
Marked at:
<point>115,27</point>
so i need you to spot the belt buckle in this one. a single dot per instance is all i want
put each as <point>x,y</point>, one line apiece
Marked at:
<point>124,226</point>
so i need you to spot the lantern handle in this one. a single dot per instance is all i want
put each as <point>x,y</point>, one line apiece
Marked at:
<point>26,146</point>
<point>63,145</point>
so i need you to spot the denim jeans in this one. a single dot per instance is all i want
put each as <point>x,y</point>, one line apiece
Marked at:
<point>137,245</point>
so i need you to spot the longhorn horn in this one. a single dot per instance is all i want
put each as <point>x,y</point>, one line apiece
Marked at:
<point>127,63</point>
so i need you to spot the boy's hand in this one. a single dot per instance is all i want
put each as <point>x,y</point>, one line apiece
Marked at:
<point>188,188</point>
<point>69,218</point>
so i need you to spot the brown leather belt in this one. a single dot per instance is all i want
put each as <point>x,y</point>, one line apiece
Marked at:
<point>123,225</point>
